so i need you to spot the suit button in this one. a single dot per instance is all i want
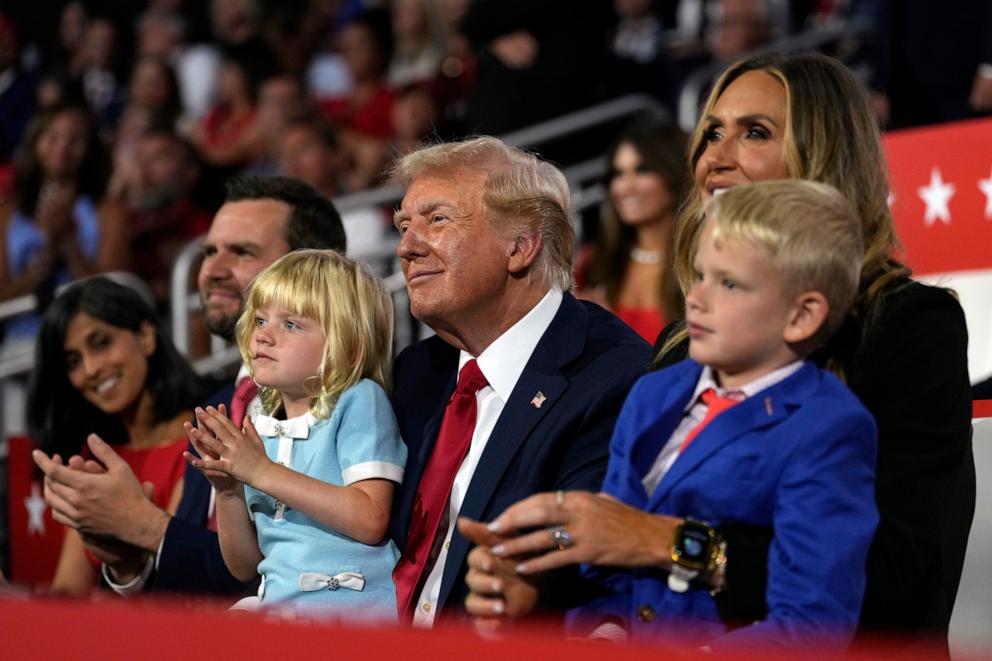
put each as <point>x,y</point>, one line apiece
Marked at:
<point>645,613</point>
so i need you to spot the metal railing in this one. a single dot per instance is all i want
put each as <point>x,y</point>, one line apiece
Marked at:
<point>184,301</point>
<point>529,137</point>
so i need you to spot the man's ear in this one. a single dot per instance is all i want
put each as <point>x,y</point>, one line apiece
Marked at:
<point>808,314</point>
<point>524,252</point>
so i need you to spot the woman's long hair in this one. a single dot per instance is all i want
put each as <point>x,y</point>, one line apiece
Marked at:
<point>832,137</point>
<point>91,176</point>
<point>661,147</point>
<point>59,417</point>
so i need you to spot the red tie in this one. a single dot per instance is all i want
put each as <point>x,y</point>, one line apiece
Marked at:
<point>434,491</point>
<point>715,405</point>
<point>244,392</point>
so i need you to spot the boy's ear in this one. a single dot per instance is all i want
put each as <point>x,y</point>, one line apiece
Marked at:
<point>809,313</point>
<point>524,251</point>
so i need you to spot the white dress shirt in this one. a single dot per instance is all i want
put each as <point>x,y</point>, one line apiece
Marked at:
<point>502,363</point>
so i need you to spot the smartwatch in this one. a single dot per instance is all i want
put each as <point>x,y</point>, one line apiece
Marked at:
<point>695,548</point>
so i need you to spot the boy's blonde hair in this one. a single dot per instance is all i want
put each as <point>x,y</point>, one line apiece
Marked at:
<point>809,229</point>
<point>350,305</point>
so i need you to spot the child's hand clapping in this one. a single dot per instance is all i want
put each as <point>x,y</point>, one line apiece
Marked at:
<point>228,456</point>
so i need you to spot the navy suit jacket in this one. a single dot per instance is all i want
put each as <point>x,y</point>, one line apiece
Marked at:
<point>798,457</point>
<point>584,364</point>
<point>191,561</point>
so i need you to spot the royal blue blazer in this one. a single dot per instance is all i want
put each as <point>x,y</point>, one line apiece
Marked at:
<point>798,457</point>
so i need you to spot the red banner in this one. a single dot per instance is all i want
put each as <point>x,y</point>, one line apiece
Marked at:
<point>941,181</point>
<point>35,538</point>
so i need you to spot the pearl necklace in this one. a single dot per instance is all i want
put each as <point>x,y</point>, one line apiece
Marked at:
<point>642,256</point>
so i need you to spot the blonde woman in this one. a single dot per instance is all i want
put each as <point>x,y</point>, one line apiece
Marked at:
<point>318,472</point>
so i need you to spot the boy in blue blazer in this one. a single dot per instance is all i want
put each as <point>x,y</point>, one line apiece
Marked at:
<point>748,430</point>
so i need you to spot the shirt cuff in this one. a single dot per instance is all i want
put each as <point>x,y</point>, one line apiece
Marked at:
<point>161,545</point>
<point>610,631</point>
<point>133,586</point>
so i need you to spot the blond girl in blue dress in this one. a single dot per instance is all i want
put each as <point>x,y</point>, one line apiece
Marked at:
<point>304,493</point>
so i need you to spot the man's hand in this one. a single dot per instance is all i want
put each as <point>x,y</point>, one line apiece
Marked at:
<point>981,92</point>
<point>109,503</point>
<point>497,591</point>
<point>517,50</point>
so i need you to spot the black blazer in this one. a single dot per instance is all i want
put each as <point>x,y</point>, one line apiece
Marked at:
<point>584,364</point>
<point>911,372</point>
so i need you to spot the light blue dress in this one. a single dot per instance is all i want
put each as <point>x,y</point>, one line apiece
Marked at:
<point>310,567</point>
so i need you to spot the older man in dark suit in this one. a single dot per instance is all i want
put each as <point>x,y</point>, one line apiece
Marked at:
<point>518,391</point>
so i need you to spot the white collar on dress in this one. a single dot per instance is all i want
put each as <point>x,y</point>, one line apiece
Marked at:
<point>296,428</point>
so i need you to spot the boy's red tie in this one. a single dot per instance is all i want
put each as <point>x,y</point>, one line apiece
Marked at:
<point>715,405</point>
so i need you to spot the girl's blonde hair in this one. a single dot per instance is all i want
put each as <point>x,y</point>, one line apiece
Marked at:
<point>831,136</point>
<point>350,305</point>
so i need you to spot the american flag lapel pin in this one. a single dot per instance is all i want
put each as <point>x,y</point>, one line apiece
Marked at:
<point>538,399</point>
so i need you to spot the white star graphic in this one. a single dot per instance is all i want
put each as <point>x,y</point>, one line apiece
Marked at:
<point>985,185</point>
<point>936,196</point>
<point>35,506</point>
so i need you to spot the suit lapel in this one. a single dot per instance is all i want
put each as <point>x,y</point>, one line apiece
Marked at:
<point>764,409</point>
<point>439,387</point>
<point>560,344</point>
<point>645,448</point>
<point>648,445</point>
<point>434,389</point>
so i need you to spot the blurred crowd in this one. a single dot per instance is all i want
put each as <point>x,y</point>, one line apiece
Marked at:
<point>120,120</point>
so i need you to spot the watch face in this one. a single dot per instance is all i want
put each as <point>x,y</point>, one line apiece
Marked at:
<point>693,548</point>
<point>692,545</point>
